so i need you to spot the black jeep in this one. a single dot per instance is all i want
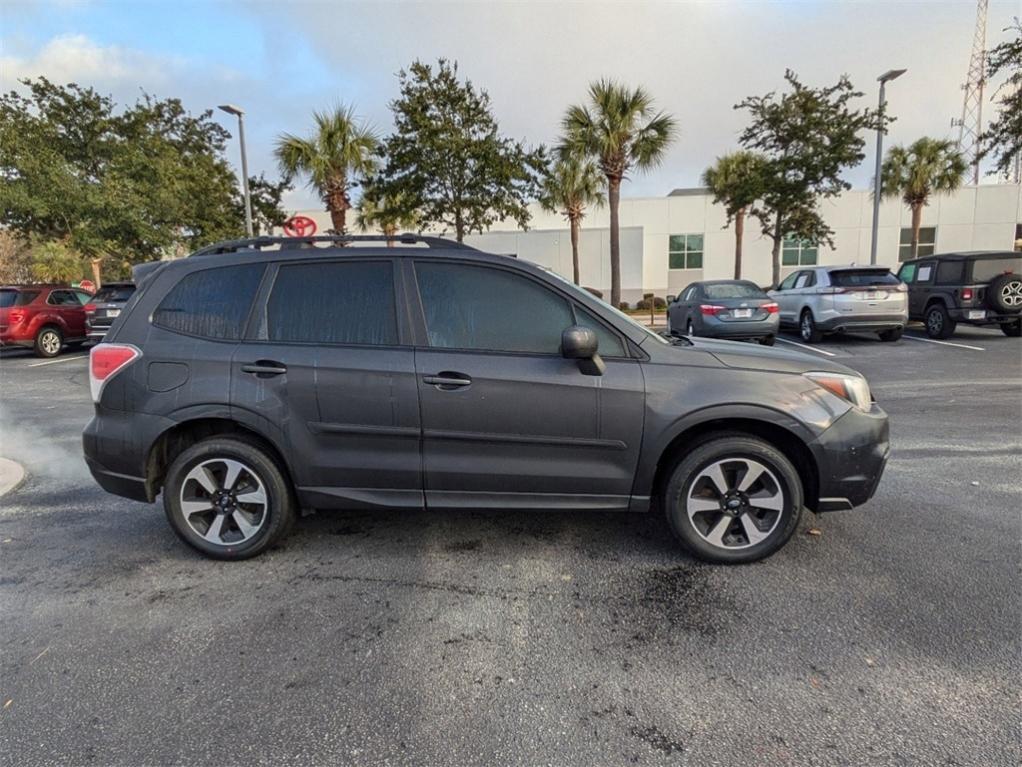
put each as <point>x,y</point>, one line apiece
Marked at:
<point>977,288</point>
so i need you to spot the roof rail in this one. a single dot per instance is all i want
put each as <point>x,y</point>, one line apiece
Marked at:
<point>290,243</point>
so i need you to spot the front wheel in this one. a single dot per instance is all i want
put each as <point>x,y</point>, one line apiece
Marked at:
<point>1012,329</point>
<point>734,499</point>
<point>228,498</point>
<point>939,324</point>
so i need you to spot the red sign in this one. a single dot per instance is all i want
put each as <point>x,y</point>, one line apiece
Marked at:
<point>87,285</point>
<point>299,226</point>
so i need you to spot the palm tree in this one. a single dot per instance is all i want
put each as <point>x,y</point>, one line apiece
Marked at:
<point>928,166</point>
<point>334,159</point>
<point>386,213</point>
<point>573,184</point>
<point>620,131</point>
<point>736,182</point>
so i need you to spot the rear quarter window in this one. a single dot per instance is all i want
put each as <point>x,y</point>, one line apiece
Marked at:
<point>985,269</point>
<point>212,303</point>
<point>9,298</point>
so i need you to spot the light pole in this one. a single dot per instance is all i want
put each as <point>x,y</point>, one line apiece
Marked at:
<point>886,77</point>
<point>233,110</point>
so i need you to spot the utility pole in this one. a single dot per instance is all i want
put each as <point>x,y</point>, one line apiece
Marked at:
<point>240,113</point>
<point>886,77</point>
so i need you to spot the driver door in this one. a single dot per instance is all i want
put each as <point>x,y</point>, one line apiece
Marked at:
<point>507,421</point>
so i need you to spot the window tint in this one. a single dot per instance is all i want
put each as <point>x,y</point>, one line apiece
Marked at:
<point>907,273</point>
<point>83,298</point>
<point>472,307</point>
<point>734,290</point>
<point>789,281</point>
<point>985,269</point>
<point>113,294</point>
<point>63,298</point>
<point>853,278</point>
<point>950,272</point>
<point>10,298</point>
<point>339,303</point>
<point>609,344</point>
<point>213,303</point>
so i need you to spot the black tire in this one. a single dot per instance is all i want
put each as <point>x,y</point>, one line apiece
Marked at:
<point>767,340</point>
<point>1012,329</point>
<point>1004,293</point>
<point>891,335</point>
<point>807,328</point>
<point>48,341</point>
<point>939,324</point>
<point>276,518</point>
<point>734,447</point>
<point>690,329</point>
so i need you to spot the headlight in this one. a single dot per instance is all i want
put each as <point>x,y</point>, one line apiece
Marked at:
<point>853,389</point>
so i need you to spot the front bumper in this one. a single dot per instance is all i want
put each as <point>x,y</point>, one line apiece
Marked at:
<point>850,458</point>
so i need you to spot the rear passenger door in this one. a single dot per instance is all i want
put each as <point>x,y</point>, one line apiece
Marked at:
<point>65,304</point>
<point>327,361</point>
<point>922,288</point>
<point>507,421</point>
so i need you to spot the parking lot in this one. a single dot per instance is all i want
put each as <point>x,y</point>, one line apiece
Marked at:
<point>889,635</point>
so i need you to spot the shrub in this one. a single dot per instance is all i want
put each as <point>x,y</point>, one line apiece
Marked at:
<point>623,306</point>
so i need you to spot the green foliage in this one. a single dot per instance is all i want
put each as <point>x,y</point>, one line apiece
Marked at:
<point>447,159</point>
<point>571,185</point>
<point>266,199</point>
<point>389,214</point>
<point>807,137</point>
<point>335,159</point>
<point>1003,137</point>
<point>15,259</point>
<point>55,262</point>
<point>926,167</point>
<point>736,180</point>
<point>124,185</point>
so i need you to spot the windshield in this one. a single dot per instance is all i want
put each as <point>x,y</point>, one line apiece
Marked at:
<point>855,278</point>
<point>113,294</point>
<point>10,298</point>
<point>733,290</point>
<point>985,269</point>
<point>582,292</point>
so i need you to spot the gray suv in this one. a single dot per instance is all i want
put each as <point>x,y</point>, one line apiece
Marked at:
<point>835,299</point>
<point>264,378</point>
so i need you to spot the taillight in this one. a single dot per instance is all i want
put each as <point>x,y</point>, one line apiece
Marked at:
<point>902,287</point>
<point>90,308</point>
<point>711,309</point>
<point>771,308</point>
<point>966,294</point>
<point>14,316</point>
<point>106,361</point>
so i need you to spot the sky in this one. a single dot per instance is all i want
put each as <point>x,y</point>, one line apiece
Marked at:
<point>282,60</point>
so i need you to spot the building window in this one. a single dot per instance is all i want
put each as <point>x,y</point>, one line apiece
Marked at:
<point>797,252</point>
<point>686,251</point>
<point>927,240</point>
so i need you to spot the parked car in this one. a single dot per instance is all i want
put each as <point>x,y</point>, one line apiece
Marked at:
<point>977,288</point>
<point>733,309</point>
<point>246,384</point>
<point>42,317</point>
<point>820,300</point>
<point>105,306</point>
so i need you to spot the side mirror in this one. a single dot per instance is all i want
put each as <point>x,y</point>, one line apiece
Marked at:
<point>671,299</point>
<point>580,343</point>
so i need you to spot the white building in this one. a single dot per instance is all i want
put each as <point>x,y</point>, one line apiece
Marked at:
<point>668,242</point>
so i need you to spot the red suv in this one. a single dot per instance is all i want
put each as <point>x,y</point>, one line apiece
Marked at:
<point>42,317</point>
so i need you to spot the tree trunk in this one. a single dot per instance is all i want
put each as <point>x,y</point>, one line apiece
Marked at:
<point>459,227</point>
<point>338,219</point>
<point>614,199</point>
<point>574,250</point>
<point>739,233</point>
<point>95,272</point>
<point>917,220</point>
<point>775,252</point>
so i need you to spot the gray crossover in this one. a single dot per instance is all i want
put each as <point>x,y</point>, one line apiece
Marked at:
<point>259,379</point>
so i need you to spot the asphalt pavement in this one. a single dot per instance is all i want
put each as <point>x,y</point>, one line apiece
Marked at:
<point>890,638</point>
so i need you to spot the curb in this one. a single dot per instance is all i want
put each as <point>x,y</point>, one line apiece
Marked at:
<point>11,475</point>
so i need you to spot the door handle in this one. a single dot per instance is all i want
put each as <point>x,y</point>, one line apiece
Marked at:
<point>265,368</point>
<point>447,381</point>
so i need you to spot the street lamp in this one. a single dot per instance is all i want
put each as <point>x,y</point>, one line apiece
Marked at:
<point>233,110</point>
<point>886,77</point>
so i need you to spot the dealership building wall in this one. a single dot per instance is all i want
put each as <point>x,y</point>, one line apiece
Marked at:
<point>986,217</point>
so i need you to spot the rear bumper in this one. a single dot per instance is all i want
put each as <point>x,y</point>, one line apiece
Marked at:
<point>851,456</point>
<point>117,445</point>
<point>740,328</point>
<point>865,323</point>
<point>9,337</point>
<point>990,317</point>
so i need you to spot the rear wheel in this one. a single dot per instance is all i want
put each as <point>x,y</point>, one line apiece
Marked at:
<point>1013,329</point>
<point>48,342</point>
<point>939,324</point>
<point>734,499</point>
<point>807,328</point>
<point>228,498</point>
<point>689,329</point>
<point>891,335</point>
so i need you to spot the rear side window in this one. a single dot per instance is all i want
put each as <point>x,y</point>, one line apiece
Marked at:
<point>9,298</point>
<point>340,303</point>
<point>212,303</point>
<point>472,307</point>
<point>857,278</point>
<point>950,272</point>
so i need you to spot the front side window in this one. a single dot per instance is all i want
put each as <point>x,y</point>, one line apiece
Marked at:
<point>927,242</point>
<point>475,307</point>
<point>608,344</point>
<point>333,303</point>
<point>925,272</point>
<point>789,281</point>
<point>62,298</point>
<point>798,252</point>
<point>907,273</point>
<point>685,251</point>
<point>212,303</point>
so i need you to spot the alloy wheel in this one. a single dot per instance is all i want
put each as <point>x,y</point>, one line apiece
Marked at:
<point>50,342</point>
<point>224,501</point>
<point>735,503</point>
<point>806,326</point>
<point>935,321</point>
<point>1011,294</point>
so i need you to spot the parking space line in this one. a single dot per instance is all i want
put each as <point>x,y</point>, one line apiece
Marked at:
<point>946,343</point>
<point>62,359</point>
<point>806,346</point>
